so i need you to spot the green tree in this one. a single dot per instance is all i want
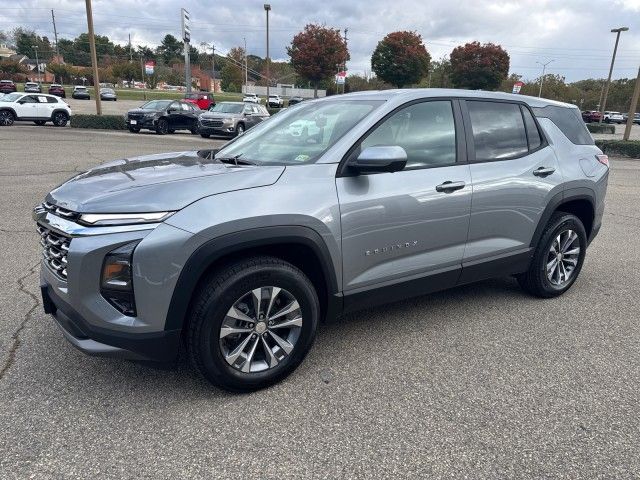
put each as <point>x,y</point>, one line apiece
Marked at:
<point>475,66</point>
<point>170,49</point>
<point>26,41</point>
<point>401,59</point>
<point>317,52</point>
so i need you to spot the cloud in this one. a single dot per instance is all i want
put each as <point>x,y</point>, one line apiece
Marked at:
<point>574,33</point>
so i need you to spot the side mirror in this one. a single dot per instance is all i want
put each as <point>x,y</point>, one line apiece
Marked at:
<point>380,159</point>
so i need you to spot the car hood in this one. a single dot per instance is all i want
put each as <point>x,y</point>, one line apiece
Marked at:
<point>220,115</point>
<point>155,183</point>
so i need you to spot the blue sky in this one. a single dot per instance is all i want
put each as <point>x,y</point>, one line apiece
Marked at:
<point>572,33</point>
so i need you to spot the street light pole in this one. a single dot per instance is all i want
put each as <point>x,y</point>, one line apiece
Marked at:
<point>544,68</point>
<point>617,31</point>
<point>35,47</point>
<point>267,7</point>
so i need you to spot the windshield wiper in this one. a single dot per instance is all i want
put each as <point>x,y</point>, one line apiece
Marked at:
<point>235,160</point>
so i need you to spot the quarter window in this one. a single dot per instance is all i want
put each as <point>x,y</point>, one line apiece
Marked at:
<point>533,134</point>
<point>425,130</point>
<point>498,130</point>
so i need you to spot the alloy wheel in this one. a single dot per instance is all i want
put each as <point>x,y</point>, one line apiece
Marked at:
<point>6,118</point>
<point>563,257</point>
<point>260,329</point>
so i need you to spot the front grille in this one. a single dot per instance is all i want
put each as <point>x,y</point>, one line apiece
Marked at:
<point>54,250</point>
<point>211,123</point>
<point>62,212</point>
<point>135,116</point>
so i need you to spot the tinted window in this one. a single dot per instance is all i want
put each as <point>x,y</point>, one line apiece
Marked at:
<point>498,130</point>
<point>532,129</point>
<point>52,100</point>
<point>425,130</point>
<point>569,121</point>
<point>29,99</point>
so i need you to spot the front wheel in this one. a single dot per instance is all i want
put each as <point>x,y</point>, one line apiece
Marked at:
<point>252,323</point>
<point>162,127</point>
<point>558,257</point>
<point>6,118</point>
<point>60,119</point>
<point>239,130</point>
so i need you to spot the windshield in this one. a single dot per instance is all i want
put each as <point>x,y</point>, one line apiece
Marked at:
<point>300,134</point>
<point>106,90</point>
<point>11,97</point>
<point>156,104</point>
<point>228,108</point>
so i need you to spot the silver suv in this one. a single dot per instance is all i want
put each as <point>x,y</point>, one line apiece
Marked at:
<point>240,253</point>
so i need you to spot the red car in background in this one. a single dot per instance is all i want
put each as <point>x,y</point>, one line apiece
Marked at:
<point>591,116</point>
<point>57,90</point>
<point>7,86</point>
<point>204,100</point>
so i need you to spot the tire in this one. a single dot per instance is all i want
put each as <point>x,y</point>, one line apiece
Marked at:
<point>239,129</point>
<point>60,119</point>
<point>194,130</point>
<point>205,135</point>
<point>40,123</point>
<point>134,129</point>
<point>536,281</point>
<point>7,118</point>
<point>209,353</point>
<point>162,127</point>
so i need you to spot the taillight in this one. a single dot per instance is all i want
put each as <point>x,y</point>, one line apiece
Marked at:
<point>603,159</point>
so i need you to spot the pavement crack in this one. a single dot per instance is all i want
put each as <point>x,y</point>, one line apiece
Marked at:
<point>16,341</point>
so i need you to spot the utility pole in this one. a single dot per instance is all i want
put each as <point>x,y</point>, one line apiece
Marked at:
<point>35,47</point>
<point>144,85</point>
<point>130,51</point>
<point>632,108</point>
<point>344,66</point>
<point>186,37</point>
<point>246,75</point>
<point>544,67</point>
<point>613,59</point>
<point>55,34</point>
<point>267,7</point>
<point>94,59</point>
<point>213,66</point>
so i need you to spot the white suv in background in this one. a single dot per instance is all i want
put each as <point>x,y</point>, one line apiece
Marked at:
<point>613,117</point>
<point>251,97</point>
<point>275,101</point>
<point>37,107</point>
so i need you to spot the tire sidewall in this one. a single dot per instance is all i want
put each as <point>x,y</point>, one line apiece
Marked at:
<point>562,223</point>
<point>162,127</point>
<point>215,366</point>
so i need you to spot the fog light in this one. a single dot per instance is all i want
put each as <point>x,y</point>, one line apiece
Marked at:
<point>116,279</point>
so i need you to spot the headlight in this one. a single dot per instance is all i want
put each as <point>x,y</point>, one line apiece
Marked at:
<point>116,280</point>
<point>92,219</point>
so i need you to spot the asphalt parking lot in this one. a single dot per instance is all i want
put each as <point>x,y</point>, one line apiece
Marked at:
<point>477,382</point>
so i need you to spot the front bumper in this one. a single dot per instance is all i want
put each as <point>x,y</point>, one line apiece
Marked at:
<point>226,129</point>
<point>142,122</point>
<point>153,346</point>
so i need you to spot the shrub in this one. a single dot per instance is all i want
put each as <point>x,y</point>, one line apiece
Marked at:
<point>99,122</point>
<point>630,148</point>
<point>601,128</point>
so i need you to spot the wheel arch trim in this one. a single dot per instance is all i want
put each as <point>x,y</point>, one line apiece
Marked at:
<point>572,194</point>
<point>213,250</point>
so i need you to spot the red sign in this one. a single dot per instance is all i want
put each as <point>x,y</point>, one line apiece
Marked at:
<point>516,87</point>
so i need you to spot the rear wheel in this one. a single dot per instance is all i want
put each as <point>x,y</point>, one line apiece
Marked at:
<point>558,257</point>
<point>194,130</point>
<point>7,118</point>
<point>252,323</point>
<point>162,127</point>
<point>60,119</point>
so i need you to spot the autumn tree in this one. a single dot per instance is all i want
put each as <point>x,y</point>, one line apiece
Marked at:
<point>401,59</point>
<point>316,52</point>
<point>475,66</point>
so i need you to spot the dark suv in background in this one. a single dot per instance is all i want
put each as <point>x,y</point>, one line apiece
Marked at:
<point>164,116</point>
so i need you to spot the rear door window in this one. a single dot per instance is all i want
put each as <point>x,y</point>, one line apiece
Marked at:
<point>498,130</point>
<point>533,134</point>
<point>569,121</point>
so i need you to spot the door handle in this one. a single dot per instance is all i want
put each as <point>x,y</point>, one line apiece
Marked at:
<point>449,186</point>
<point>543,171</point>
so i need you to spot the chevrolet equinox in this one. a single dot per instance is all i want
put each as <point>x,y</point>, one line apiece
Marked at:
<point>240,253</point>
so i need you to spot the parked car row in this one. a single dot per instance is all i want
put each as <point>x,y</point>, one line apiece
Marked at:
<point>273,101</point>
<point>593,116</point>
<point>168,116</point>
